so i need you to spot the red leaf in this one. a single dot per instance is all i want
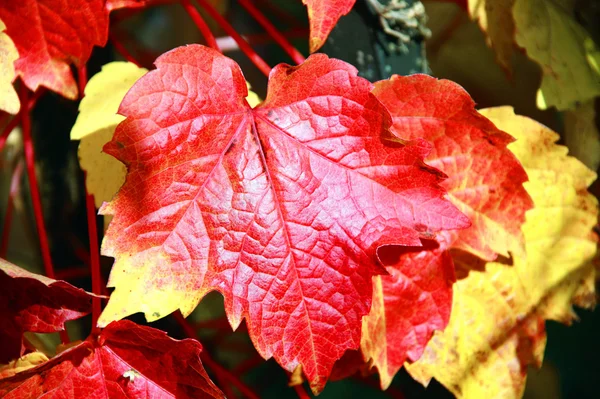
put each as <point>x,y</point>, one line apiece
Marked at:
<point>486,179</point>
<point>486,183</point>
<point>125,361</point>
<point>280,208</point>
<point>57,33</point>
<point>323,15</point>
<point>34,303</point>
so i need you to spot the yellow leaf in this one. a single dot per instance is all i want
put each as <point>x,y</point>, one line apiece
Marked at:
<point>497,324</point>
<point>582,135</point>
<point>565,51</point>
<point>23,363</point>
<point>96,124</point>
<point>496,21</point>
<point>9,101</point>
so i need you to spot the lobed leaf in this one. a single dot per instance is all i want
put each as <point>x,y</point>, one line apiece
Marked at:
<point>567,54</point>
<point>280,208</point>
<point>58,33</point>
<point>485,183</point>
<point>125,361</point>
<point>33,303</point>
<point>497,324</point>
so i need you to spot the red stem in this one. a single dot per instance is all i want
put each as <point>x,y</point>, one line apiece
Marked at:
<point>221,372</point>
<point>121,49</point>
<point>94,257</point>
<point>14,189</point>
<point>92,227</point>
<point>272,31</point>
<point>33,187</point>
<point>244,46</point>
<point>302,394</point>
<point>200,24</point>
<point>16,120</point>
<point>35,194</point>
<point>7,130</point>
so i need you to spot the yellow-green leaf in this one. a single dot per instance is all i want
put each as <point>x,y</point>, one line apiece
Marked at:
<point>9,101</point>
<point>96,124</point>
<point>497,324</point>
<point>496,21</point>
<point>569,59</point>
<point>582,135</point>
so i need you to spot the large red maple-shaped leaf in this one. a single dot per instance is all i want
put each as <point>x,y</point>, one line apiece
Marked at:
<point>486,183</point>
<point>322,16</point>
<point>126,361</point>
<point>50,35</point>
<point>281,208</point>
<point>34,303</point>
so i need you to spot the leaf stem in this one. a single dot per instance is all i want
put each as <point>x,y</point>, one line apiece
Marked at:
<point>14,189</point>
<point>35,194</point>
<point>221,372</point>
<point>17,119</point>
<point>33,187</point>
<point>92,226</point>
<point>244,46</point>
<point>302,394</point>
<point>272,31</point>
<point>121,49</point>
<point>200,24</point>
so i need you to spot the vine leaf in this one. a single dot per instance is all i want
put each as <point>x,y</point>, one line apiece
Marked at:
<point>485,183</point>
<point>9,100</point>
<point>96,124</point>
<point>126,361</point>
<point>497,324</point>
<point>567,54</point>
<point>323,15</point>
<point>280,208</point>
<point>59,33</point>
<point>582,136</point>
<point>495,18</point>
<point>486,179</point>
<point>33,303</point>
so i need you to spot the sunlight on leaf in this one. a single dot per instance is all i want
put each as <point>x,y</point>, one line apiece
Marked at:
<point>125,361</point>
<point>280,208</point>
<point>9,101</point>
<point>551,36</point>
<point>497,324</point>
<point>96,125</point>
<point>23,363</point>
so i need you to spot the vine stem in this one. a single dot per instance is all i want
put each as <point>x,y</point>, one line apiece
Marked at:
<point>200,24</point>
<point>33,187</point>
<point>272,31</point>
<point>221,372</point>
<point>244,46</point>
<point>121,49</point>
<point>94,257</point>
<point>16,120</point>
<point>14,189</point>
<point>92,226</point>
<point>301,392</point>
